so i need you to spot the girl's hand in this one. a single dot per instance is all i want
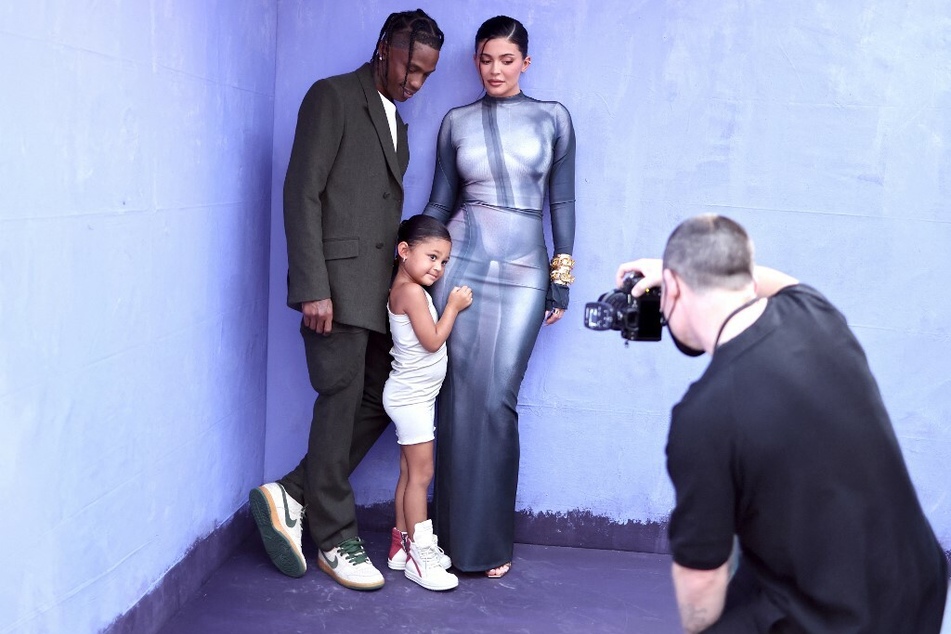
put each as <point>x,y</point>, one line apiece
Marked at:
<point>460,298</point>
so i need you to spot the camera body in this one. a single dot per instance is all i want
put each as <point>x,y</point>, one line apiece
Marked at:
<point>637,318</point>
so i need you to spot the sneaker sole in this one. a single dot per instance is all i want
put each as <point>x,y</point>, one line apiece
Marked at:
<point>278,544</point>
<point>429,585</point>
<point>353,585</point>
<point>444,562</point>
<point>395,565</point>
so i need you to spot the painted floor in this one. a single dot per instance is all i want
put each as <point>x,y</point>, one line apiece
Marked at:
<point>550,589</point>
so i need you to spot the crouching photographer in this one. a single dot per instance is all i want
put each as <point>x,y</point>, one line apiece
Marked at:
<point>783,442</point>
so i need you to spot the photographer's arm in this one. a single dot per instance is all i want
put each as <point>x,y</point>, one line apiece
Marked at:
<point>701,595</point>
<point>768,281</point>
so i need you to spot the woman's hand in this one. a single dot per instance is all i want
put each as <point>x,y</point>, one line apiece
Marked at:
<point>554,315</point>
<point>556,303</point>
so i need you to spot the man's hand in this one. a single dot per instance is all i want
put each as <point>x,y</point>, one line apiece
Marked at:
<point>318,315</point>
<point>651,270</point>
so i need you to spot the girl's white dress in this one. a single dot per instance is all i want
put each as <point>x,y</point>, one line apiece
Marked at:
<point>409,395</point>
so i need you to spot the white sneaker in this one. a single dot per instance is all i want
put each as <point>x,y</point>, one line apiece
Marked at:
<point>422,563</point>
<point>397,558</point>
<point>279,519</point>
<point>349,565</point>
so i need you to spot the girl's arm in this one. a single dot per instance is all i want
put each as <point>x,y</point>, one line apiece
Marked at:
<point>410,299</point>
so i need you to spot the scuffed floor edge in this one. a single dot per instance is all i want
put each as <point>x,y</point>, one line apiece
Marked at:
<point>180,583</point>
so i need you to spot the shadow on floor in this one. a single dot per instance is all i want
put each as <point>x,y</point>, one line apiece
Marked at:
<point>550,589</point>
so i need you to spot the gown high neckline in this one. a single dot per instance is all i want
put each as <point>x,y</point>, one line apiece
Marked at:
<point>519,96</point>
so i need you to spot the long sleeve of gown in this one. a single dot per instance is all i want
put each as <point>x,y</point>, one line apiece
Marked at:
<point>442,198</point>
<point>561,202</point>
<point>561,187</point>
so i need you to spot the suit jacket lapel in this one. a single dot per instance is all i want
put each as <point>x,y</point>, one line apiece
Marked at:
<point>378,117</point>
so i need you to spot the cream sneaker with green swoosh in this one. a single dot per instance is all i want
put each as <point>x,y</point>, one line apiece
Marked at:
<point>279,518</point>
<point>348,564</point>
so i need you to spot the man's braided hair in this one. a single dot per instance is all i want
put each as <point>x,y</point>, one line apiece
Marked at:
<point>406,29</point>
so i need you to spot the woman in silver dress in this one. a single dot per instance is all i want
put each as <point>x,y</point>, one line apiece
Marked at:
<point>497,160</point>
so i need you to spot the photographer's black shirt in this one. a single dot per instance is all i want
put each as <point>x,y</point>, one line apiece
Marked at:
<point>785,442</point>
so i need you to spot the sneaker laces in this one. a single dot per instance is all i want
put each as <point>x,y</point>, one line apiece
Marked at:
<point>353,550</point>
<point>429,553</point>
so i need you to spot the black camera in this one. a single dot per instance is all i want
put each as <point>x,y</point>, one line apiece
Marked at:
<point>638,318</point>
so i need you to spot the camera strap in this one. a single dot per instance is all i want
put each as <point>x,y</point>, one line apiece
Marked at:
<point>733,314</point>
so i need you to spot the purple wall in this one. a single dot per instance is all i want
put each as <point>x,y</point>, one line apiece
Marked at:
<point>142,152</point>
<point>822,126</point>
<point>135,151</point>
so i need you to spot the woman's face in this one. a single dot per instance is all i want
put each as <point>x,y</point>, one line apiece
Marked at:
<point>500,65</point>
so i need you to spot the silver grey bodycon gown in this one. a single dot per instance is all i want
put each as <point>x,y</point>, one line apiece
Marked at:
<point>496,160</point>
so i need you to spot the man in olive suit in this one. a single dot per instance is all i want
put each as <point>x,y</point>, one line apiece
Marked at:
<point>343,200</point>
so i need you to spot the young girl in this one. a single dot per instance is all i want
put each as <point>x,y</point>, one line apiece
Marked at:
<point>409,397</point>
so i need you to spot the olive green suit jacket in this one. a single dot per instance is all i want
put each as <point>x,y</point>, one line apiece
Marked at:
<point>343,199</point>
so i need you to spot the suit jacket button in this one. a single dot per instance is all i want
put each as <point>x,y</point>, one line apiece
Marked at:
<point>379,245</point>
<point>386,194</point>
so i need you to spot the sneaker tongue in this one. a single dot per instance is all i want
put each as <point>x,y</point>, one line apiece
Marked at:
<point>423,532</point>
<point>423,535</point>
<point>353,550</point>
